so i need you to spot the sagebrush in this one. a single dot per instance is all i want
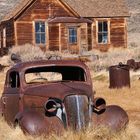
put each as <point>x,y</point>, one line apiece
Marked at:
<point>98,60</point>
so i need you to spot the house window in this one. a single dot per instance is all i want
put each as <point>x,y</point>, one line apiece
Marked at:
<point>4,37</point>
<point>103,32</point>
<point>40,35</point>
<point>72,35</point>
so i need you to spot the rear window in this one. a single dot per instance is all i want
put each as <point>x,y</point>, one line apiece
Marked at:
<point>54,74</point>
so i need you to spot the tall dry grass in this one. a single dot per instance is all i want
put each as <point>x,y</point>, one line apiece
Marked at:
<point>8,133</point>
<point>126,98</point>
<point>113,57</point>
<point>99,61</point>
<point>27,52</point>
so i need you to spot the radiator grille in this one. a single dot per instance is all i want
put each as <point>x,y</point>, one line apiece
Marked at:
<point>78,111</point>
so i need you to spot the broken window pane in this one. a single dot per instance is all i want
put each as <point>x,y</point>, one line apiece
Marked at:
<point>103,32</point>
<point>72,35</point>
<point>40,35</point>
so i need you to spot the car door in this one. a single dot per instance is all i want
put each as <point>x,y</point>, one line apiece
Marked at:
<point>11,96</point>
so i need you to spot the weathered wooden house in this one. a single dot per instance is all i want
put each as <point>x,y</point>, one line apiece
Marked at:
<point>74,25</point>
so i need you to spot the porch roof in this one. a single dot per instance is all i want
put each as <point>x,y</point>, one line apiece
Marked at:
<point>69,20</point>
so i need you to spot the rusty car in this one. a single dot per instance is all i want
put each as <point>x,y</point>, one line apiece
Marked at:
<point>54,95</point>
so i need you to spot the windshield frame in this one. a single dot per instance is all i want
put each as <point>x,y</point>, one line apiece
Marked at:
<point>38,67</point>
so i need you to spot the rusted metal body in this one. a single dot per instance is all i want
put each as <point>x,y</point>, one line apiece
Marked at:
<point>133,64</point>
<point>53,106</point>
<point>119,76</point>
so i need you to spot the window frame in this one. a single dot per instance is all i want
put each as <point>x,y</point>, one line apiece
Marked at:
<point>40,32</point>
<point>103,32</point>
<point>4,37</point>
<point>75,36</point>
<point>17,78</point>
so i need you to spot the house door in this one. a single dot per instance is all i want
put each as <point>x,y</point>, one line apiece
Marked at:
<point>11,97</point>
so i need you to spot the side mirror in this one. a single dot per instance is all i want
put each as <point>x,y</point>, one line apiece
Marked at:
<point>99,105</point>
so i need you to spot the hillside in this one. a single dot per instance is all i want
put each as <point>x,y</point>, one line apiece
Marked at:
<point>134,20</point>
<point>134,23</point>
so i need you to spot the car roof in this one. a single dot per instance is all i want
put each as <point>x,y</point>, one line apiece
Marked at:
<point>40,63</point>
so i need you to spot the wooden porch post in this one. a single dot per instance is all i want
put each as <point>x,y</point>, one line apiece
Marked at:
<point>60,45</point>
<point>47,36</point>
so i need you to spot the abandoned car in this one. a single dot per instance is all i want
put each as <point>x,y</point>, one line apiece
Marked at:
<point>55,95</point>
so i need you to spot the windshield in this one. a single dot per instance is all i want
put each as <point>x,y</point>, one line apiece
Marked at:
<point>54,74</point>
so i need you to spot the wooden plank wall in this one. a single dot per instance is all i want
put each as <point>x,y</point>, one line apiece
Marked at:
<point>64,37</point>
<point>10,41</point>
<point>24,33</point>
<point>40,11</point>
<point>118,32</point>
<point>10,33</point>
<point>83,37</point>
<point>89,30</point>
<point>54,37</point>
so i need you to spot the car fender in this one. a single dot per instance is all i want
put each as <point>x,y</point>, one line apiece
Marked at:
<point>35,123</point>
<point>113,117</point>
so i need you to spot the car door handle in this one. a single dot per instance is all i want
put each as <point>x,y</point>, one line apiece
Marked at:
<point>4,100</point>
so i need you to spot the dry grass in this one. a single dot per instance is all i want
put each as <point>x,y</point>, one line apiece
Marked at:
<point>113,57</point>
<point>99,61</point>
<point>127,98</point>
<point>7,133</point>
<point>27,52</point>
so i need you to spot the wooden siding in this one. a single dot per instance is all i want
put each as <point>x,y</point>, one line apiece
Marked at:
<point>24,33</point>
<point>43,9</point>
<point>9,38</point>
<point>118,32</point>
<point>9,34</point>
<point>89,29</point>
<point>64,37</point>
<point>54,37</point>
<point>83,37</point>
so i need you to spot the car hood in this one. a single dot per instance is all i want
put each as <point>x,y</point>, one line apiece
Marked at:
<point>59,90</point>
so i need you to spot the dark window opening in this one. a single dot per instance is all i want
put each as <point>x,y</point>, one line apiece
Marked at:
<point>14,81</point>
<point>54,74</point>
<point>103,32</point>
<point>73,35</point>
<point>40,34</point>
